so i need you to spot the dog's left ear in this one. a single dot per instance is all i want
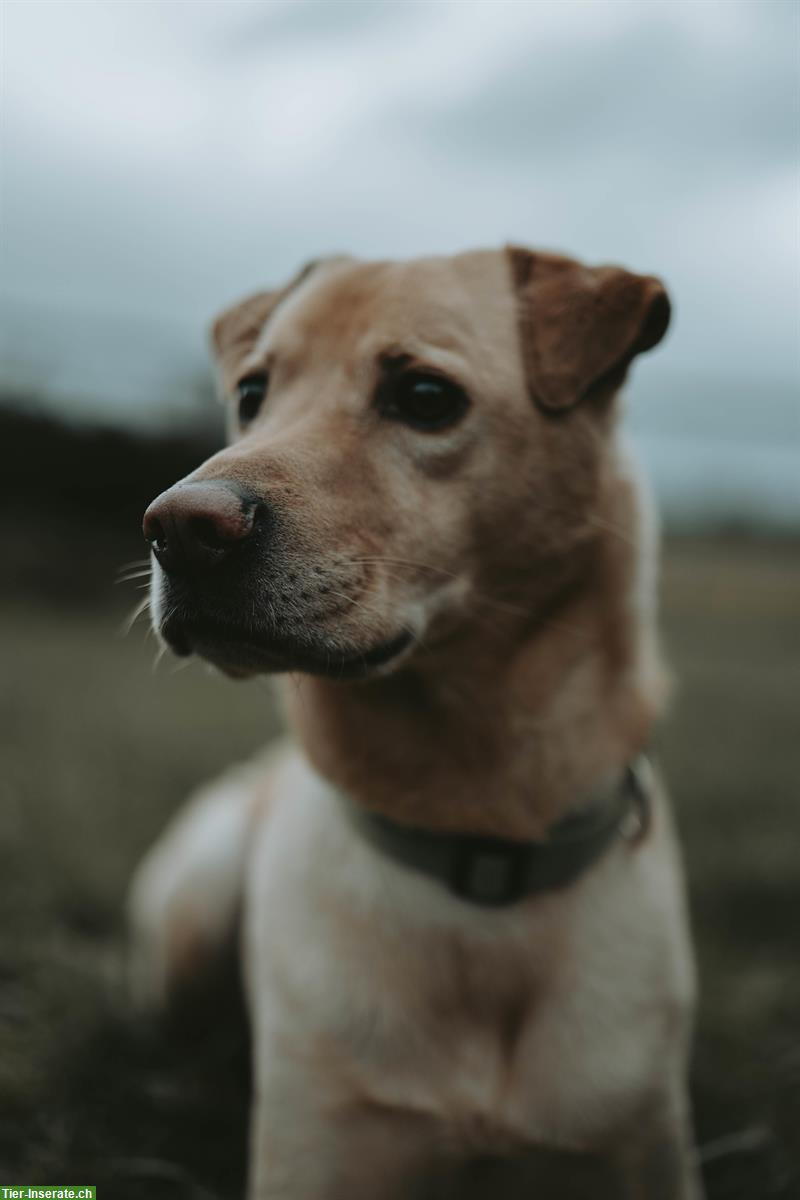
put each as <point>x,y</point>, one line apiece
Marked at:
<point>235,331</point>
<point>581,327</point>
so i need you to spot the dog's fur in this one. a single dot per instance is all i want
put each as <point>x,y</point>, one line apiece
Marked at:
<point>401,1033</point>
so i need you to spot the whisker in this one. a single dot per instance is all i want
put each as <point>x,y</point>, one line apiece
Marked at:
<point>352,600</point>
<point>404,562</point>
<point>180,665</point>
<point>138,587</point>
<point>129,578</point>
<point>137,612</point>
<point>136,562</point>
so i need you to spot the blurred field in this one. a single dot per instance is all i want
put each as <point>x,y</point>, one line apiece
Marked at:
<point>98,748</point>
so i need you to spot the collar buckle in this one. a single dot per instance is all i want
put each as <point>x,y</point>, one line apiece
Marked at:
<point>488,872</point>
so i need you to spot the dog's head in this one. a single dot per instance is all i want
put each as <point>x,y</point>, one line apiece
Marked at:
<point>406,439</point>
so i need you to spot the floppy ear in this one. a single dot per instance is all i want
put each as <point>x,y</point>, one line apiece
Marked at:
<point>236,330</point>
<point>240,325</point>
<point>581,327</point>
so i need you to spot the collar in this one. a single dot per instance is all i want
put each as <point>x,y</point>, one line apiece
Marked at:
<point>497,872</point>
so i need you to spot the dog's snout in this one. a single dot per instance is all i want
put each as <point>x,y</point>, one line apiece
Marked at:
<point>197,525</point>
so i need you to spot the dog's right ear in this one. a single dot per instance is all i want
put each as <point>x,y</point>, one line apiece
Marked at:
<point>234,333</point>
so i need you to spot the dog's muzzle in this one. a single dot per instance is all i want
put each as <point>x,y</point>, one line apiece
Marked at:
<point>223,553</point>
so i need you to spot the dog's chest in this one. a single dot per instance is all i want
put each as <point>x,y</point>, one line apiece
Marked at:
<point>496,1023</point>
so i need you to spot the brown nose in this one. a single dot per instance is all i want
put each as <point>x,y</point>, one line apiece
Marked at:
<point>196,525</point>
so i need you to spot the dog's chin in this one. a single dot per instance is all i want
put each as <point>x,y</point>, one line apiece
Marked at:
<point>240,653</point>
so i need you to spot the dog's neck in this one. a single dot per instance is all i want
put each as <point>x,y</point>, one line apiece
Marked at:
<point>515,722</point>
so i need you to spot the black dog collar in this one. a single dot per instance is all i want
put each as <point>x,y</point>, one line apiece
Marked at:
<point>495,872</point>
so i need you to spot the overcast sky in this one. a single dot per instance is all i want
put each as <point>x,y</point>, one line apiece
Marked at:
<point>162,156</point>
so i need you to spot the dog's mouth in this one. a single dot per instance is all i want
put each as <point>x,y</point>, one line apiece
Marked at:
<point>238,650</point>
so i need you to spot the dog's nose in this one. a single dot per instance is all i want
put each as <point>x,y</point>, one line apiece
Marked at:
<point>197,525</point>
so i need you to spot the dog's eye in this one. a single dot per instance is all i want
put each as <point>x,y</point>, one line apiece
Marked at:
<point>426,402</point>
<point>251,392</point>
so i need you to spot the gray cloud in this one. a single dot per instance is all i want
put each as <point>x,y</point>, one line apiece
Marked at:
<point>653,97</point>
<point>304,21</point>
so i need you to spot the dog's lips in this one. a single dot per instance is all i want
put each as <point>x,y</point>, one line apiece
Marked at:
<point>239,651</point>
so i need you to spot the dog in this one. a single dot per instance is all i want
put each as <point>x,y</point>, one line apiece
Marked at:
<point>459,897</point>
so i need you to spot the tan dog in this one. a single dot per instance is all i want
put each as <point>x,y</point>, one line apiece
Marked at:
<point>425,516</point>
